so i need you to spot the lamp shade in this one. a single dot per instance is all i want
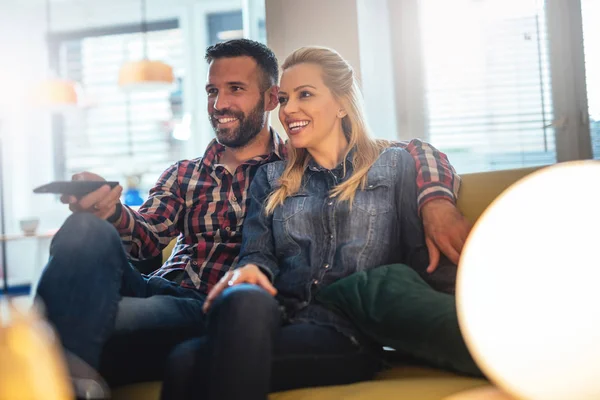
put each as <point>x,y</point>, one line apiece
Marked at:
<point>145,74</point>
<point>527,288</point>
<point>56,92</point>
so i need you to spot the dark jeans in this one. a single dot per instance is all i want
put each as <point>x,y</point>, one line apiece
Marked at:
<point>249,351</point>
<point>106,312</point>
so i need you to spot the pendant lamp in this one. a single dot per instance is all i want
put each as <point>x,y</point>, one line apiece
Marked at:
<point>145,73</point>
<point>54,92</point>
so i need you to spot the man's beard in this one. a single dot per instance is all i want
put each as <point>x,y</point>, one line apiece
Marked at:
<point>248,126</point>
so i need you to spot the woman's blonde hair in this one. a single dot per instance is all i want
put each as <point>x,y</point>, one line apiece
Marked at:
<point>338,76</point>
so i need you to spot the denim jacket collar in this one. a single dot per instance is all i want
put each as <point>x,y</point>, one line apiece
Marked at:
<point>314,166</point>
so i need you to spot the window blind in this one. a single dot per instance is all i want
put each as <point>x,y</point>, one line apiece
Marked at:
<point>120,134</point>
<point>591,40</point>
<point>487,83</point>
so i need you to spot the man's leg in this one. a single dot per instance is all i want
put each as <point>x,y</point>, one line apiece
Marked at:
<point>251,356</point>
<point>147,329</point>
<point>82,282</point>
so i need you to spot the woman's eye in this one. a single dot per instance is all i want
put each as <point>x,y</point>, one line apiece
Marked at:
<point>282,100</point>
<point>305,94</point>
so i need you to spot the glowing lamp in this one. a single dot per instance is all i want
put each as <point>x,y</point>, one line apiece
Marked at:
<point>528,294</point>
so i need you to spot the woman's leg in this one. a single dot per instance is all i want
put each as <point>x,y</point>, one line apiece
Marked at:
<point>308,355</point>
<point>234,360</point>
<point>304,355</point>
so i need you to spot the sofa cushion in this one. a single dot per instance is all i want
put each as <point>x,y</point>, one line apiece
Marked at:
<point>398,383</point>
<point>394,306</point>
<point>395,383</point>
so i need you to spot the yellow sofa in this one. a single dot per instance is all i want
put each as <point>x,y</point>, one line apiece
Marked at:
<point>400,382</point>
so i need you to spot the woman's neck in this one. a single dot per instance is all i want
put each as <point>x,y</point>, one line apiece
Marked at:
<point>330,153</point>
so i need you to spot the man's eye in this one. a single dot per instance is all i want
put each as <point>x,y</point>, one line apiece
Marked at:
<point>282,100</point>
<point>236,88</point>
<point>304,94</point>
<point>212,92</point>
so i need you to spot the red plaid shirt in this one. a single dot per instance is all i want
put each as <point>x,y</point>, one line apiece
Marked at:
<point>204,206</point>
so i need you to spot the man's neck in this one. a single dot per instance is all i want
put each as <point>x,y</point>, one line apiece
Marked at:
<point>260,145</point>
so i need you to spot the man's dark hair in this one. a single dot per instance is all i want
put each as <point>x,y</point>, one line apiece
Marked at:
<point>264,57</point>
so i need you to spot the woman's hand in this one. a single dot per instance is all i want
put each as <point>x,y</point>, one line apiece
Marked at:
<point>247,274</point>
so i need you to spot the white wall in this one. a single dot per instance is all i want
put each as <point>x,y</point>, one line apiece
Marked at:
<point>359,30</point>
<point>24,132</point>
<point>376,63</point>
<point>292,24</point>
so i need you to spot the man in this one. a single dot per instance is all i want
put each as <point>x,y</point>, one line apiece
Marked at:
<point>124,323</point>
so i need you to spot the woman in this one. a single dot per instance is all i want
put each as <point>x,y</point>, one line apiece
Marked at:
<point>343,202</point>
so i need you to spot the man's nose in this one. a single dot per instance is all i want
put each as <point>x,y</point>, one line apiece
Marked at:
<point>221,102</point>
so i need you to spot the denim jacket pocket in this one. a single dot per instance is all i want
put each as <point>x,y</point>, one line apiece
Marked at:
<point>375,198</point>
<point>290,207</point>
<point>287,222</point>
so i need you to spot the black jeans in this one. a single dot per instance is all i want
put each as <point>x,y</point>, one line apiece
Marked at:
<point>249,351</point>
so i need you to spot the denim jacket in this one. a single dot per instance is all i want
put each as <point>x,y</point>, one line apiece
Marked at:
<point>312,240</point>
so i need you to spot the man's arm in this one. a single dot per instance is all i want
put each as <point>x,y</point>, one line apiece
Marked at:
<point>436,178</point>
<point>150,229</point>
<point>446,229</point>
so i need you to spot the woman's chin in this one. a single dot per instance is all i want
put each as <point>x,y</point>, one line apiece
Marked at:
<point>297,142</point>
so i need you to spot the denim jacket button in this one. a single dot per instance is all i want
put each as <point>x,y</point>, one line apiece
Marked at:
<point>330,203</point>
<point>330,236</point>
<point>326,266</point>
<point>316,282</point>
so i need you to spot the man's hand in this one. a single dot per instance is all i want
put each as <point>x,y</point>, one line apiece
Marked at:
<point>101,202</point>
<point>446,229</point>
<point>247,274</point>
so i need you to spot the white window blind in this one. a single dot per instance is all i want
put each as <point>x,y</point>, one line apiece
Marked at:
<point>487,82</point>
<point>591,41</point>
<point>120,134</point>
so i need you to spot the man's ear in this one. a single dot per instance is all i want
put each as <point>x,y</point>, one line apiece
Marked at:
<point>272,98</point>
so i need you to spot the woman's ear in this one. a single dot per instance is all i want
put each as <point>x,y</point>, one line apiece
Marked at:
<point>272,98</point>
<point>341,113</point>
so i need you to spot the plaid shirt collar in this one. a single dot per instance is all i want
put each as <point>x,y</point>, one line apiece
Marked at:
<point>214,151</point>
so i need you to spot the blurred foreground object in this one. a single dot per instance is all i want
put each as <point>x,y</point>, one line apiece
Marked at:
<point>527,288</point>
<point>31,362</point>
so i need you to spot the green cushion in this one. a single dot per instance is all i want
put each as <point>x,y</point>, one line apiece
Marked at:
<point>394,306</point>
